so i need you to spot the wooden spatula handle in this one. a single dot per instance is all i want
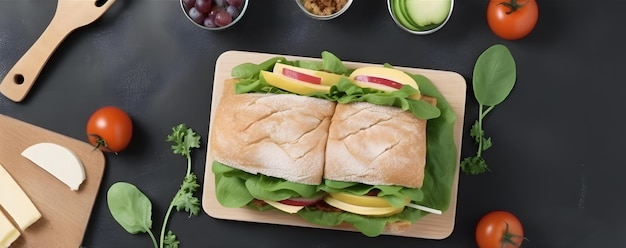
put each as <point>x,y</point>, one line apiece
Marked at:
<point>22,76</point>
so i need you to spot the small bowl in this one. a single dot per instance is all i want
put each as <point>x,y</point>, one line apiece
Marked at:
<point>416,30</point>
<point>206,19</point>
<point>320,16</point>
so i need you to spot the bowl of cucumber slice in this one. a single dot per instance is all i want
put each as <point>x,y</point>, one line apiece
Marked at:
<point>420,16</point>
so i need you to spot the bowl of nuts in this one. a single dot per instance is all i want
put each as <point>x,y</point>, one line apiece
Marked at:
<point>214,14</point>
<point>324,9</point>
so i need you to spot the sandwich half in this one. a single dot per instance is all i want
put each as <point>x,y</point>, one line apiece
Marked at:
<point>376,145</point>
<point>271,138</point>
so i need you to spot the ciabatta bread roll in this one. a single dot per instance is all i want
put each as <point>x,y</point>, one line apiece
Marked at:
<point>278,135</point>
<point>376,145</point>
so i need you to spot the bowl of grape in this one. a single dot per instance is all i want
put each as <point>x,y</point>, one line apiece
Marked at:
<point>214,14</point>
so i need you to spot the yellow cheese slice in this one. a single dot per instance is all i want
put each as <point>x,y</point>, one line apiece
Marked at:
<point>8,233</point>
<point>15,201</point>
<point>59,161</point>
<point>284,207</point>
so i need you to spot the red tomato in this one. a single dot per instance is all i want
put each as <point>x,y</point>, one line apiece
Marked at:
<point>109,129</point>
<point>499,229</point>
<point>512,19</point>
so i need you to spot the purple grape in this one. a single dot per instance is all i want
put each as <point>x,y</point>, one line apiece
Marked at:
<point>204,6</point>
<point>235,3</point>
<point>221,3</point>
<point>222,18</point>
<point>209,22</point>
<point>188,4</point>
<point>196,15</point>
<point>233,11</point>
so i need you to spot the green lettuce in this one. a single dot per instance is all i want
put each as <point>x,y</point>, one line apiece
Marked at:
<point>236,188</point>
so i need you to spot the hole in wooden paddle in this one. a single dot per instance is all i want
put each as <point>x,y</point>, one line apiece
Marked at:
<point>18,79</point>
<point>99,3</point>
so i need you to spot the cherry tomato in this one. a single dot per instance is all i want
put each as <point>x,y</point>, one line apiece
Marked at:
<point>512,19</point>
<point>109,129</point>
<point>499,229</point>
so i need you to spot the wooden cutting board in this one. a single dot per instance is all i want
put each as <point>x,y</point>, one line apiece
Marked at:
<point>452,85</point>
<point>65,213</point>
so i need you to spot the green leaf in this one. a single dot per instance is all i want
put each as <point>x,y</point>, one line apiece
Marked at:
<point>130,207</point>
<point>474,165</point>
<point>494,75</point>
<point>170,241</point>
<point>251,70</point>
<point>486,144</point>
<point>184,139</point>
<point>187,202</point>
<point>190,183</point>
<point>332,63</point>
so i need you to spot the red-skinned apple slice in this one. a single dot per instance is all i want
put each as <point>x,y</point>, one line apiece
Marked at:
<point>378,80</point>
<point>293,85</point>
<point>382,78</point>
<point>301,76</point>
<point>326,78</point>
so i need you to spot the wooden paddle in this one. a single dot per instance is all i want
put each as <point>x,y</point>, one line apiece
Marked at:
<point>69,15</point>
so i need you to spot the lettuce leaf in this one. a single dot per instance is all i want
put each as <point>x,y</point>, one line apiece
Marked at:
<point>236,188</point>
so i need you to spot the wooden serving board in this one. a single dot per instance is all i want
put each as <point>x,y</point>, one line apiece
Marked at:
<point>65,213</point>
<point>452,85</point>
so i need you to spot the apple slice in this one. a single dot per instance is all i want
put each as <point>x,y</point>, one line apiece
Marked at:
<point>301,76</point>
<point>382,78</point>
<point>59,161</point>
<point>293,85</point>
<point>361,200</point>
<point>326,78</point>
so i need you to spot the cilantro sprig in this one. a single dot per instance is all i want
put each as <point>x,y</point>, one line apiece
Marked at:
<point>183,139</point>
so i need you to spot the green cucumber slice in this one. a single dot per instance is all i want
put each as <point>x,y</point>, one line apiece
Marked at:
<point>428,12</point>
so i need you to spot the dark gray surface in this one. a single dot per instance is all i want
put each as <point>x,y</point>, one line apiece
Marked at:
<point>557,160</point>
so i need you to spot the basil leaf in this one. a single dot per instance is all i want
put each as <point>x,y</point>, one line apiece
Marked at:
<point>130,207</point>
<point>494,75</point>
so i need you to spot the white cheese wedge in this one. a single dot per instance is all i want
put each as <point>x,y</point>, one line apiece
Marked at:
<point>15,201</point>
<point>284,207</point>
<point>59,161</point>
<point>8,233</point>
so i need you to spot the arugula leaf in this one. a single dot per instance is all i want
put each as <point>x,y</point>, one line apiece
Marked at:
<point>494,79</point>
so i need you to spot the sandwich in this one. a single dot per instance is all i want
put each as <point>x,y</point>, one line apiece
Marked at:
<point>333,144</point>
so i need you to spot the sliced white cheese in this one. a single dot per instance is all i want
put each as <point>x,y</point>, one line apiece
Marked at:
<point>8,233</point>
<point>284,207</point>
<point>15,201</point>
<point>59,161</point>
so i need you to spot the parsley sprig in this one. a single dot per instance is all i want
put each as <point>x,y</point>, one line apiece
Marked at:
<point>183,139</point>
